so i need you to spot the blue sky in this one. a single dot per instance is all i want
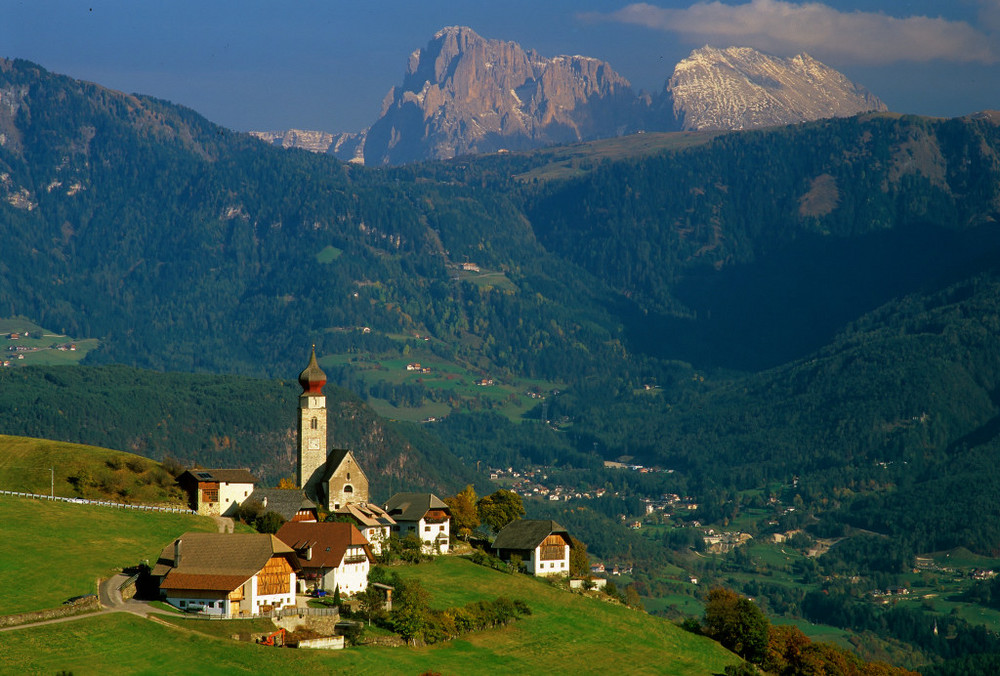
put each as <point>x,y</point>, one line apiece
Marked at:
<point>327,65</point>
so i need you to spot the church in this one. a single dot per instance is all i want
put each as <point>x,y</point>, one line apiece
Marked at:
<point>330,477</point>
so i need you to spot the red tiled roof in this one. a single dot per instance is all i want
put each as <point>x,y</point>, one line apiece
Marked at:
<point>329,541</point>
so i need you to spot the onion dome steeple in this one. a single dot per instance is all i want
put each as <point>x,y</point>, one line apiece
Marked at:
<point>312,379</point>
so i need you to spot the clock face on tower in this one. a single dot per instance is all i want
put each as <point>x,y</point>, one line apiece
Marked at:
<point>314,444</point>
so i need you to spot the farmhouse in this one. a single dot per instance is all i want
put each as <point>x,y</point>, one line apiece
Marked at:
<point>227,574</point>
<point>331,555</point>
<point>424,515</point>
<point>543,546</point>
<point>217,492</point>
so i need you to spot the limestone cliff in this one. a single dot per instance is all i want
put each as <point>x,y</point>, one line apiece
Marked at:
<point>464,94</point>
<point>741,88</point>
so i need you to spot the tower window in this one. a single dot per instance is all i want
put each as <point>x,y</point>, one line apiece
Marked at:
<point>314,424</point>
<point>348,476</point>
<point>348,488</point>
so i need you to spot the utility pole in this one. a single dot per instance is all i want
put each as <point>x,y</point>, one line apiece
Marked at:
<point>52,489</point>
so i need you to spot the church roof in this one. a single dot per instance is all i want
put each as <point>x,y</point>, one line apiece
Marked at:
<point>312,379</point>
<point>335,458</point>
<point>413,506</point>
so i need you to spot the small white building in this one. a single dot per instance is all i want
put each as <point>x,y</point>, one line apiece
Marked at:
<point>424,515</point>
<point>543,546</point>
<point>332,555</point>
<point>215,492</point>
<point>227,574</point>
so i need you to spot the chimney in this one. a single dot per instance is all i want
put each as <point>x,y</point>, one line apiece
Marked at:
<point>263,503</point>
<point>177,553</point>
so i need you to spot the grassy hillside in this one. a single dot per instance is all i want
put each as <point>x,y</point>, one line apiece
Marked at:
<point>565,633</point>
<point>42,466</point>
<point>55,550</point>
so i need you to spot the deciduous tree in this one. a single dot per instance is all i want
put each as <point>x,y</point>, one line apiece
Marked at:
<point>464,515</point>
<point>500,508</point>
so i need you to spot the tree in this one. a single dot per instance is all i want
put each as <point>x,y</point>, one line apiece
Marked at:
<point>269,522</point>
<point>737,623</point>
<point>464,515</point>
<point>286,482</point>
<point>500,508</point>
<point>632,599</point>
<point>409,609</point>
<point>579,562</point>
<point>372,601</point>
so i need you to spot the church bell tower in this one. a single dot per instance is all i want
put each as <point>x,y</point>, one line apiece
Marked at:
<point>312,428</point>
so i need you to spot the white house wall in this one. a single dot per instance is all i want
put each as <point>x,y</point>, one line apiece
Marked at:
<point>553,567</point>
<point>232,495</point>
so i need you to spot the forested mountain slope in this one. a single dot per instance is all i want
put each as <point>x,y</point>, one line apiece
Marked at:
<point>185,247</point>
<point>215,421</point>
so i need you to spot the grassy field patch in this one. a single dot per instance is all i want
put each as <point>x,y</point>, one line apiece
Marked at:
<point>55,550</point>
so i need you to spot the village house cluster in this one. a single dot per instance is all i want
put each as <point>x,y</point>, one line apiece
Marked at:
<point>240,575</point>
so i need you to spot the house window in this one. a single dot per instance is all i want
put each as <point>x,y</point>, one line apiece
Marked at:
<point>427,529</point>
<point>184,604</point>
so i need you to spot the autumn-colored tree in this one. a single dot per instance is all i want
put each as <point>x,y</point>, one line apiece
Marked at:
<point>464,515</point>
<point>287,482</point>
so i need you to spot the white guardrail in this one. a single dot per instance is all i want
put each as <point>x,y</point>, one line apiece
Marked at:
<point>102,503</point>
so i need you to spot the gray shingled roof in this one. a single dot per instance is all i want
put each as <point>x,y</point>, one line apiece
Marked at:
<point>413,506</point>
<point>527,534</point>
<point>285,501</point>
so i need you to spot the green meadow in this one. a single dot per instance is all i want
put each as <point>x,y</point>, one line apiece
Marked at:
<point>566,632</point>
<point>54,550</point>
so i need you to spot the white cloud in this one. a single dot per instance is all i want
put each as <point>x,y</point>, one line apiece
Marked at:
<point>787,28</point>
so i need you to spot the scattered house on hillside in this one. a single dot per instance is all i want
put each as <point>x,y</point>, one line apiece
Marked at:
<point>542,545</point>
<point>415,366</point>
<point>291,503</point>
<point>331,554</point>
<point>424,515</point>
<point>217,492</point>
<point>470,267</point>
<point>227,574</point>
<point>373,522</point>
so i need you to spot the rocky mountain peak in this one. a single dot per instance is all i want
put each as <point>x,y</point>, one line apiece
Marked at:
<point>741,88</point>
<point>465,94</point>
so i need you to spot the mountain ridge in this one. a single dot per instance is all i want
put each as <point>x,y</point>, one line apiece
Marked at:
<point>463,94</point>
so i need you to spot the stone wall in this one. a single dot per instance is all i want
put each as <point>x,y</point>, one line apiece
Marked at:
<point>87,606</point>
